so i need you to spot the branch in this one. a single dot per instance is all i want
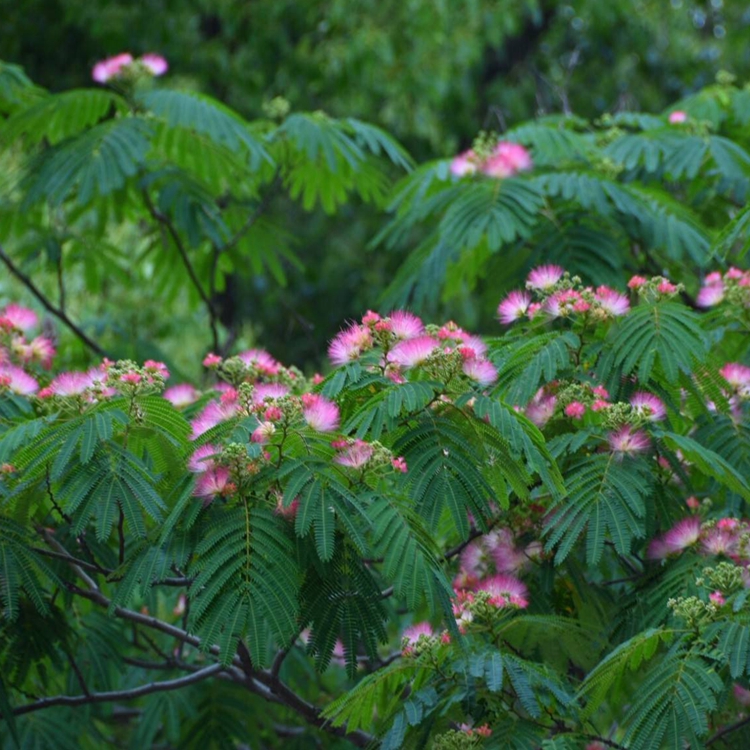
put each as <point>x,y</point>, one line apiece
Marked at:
<point>58,312</point>
<point>162,219</point>
<point>726,730</point>
<point>256,214</point>
<point>120,695</point>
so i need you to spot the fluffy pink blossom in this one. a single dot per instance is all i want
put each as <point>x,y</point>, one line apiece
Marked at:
<point>214,483</point>
<point>18,317</point>
<point>104,70</point>
<point>474,559</point>
<point>264,391</point>
<point>42,350</point>
<point>513,307</point>
<point>399,464</point>
<point>737,375</point>
<point>261,361</point>
<point>683,534</point>
<point>355,455</point>
<point>465,163</point>
<point>507,557</point>
<point>612,301</point>
<point>575,410</point>
<point>718,541</point>
<point>413,632</point>
<point>132,378</point>
<point>211,360</point>
<point>412,352</point>
<point>741,694</point>
<point>710,295</point>
<point>561,303</point>
<point>677,117</point>
<point>649,406</point>
<point>69,384</point>
<point>17,380</point>
<point>506,160</point>
<point>480,370</point>
<point>202,458</point>
<point>541,408</point>
<point>505,589</point>
<point>155,63</point>
<point>627,440</point>
<point>666,287</point>
<point>405,325</point>
<point>544,277</point>
<point>349,344</point>
<point>213,414</point>
<point>183,394</point>
<point>636,282</point>
<point>263,432</point>
<point>320,413</point>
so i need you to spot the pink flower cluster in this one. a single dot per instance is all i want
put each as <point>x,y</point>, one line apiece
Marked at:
<point>550,294</point>
<point>727,537</point>
<point>404,343</point>
<point>734,285</point>
<point>505,160</point>
<point>18,353</point>
<point>115,67</point>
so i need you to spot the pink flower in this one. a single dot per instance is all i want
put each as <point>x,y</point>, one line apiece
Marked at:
<point>718,541</point>
<point>600,391</point>
<point>710,295</point>
<point>717,598</point>
<point>502,546</point>
<point>202,458</point>
<point>636,282</point>
<point>541,408</point>
<point>214,414</point>
<point>265,391</point>
<point>513,307</point>
<point>42,350</point>
<point>683,534</point>
<point>290,511</point>
<point>474,559</point>
<point>155,63</point>
<point>480,370</point>
<point>544,277</point>
<point>413,632</point>
<point>260,360</point>
<point>355,455</point>
<point>505,589</point>
<point>263,433</point>
<point>677,117</point>
<point>350,344</point>
<point>214,483</point>
<point>405,325</point>
<point>413,352</point>
<point>693,503</point>
<point>666,287</point>
<point>157,368</point>
<point>104,70</point>
<point>626,440</point>
<point>399,464</point>
<point>183,394</point>
<point>17,380</point>
<point>599,404</point>
<point>506,160</point>
<point>211,360</point>
<point>611,301</point>
<point>132,378</point>
<point>320,413</point>
<point>649,406</point>
<point>575,410</point>
<point>69,384</point>
<point>738,376</point>
<point>20,318</point>
<point>463,164</point>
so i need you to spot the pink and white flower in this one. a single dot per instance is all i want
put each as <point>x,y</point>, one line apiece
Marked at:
<point>649,406</point>
<point>711,294</point>
<point>261,361</point>
<point>575,410</point>
<point>612,301</point>
<point>544,277</point>
<point>412,352</point>
<point>506,160</point>
<point>355,455</point>
<point>349,344</point>
<point>202,458</point>
<point>215,413</point>
<point>413,633</point>
<point>738,376</point>
<point>626,440</point>
<point>677,117</point>
<point>541,408</point>
<point>504,590</point>
<point>112,67</point>
<point>264,391</point>
<point>465,163</point>
<point>18,317</point>
<point>405,325</point>
<point>155,63</point>
<point>320,413</point>
<point>683,534</point>
<point>17,380</point>
<point>513,307</point>
<point>480,370</point>
<point>214,483</point>
<point>180,395</point>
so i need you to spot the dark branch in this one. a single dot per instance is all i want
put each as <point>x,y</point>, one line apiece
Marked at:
<point>120,695</point>
<point>727,730</point>
<point>162,219</point>
<point>58,312</point>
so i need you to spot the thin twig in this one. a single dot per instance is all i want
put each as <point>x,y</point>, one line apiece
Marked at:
<point>58,312</point>
<point>120,695</point>
<point>163,219</point>
<point>727,730</point>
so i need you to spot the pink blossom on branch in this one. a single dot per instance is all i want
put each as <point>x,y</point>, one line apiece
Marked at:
<point>544,277</point>
<point>320,413</point>
<point>112,67</point>
<point>513,307</point>
<point>155,63</point>
<point>17,380</point>
<point>183,394</point>
<point>649,406</point>
<point>412,352</point>
<point>18,317</point>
